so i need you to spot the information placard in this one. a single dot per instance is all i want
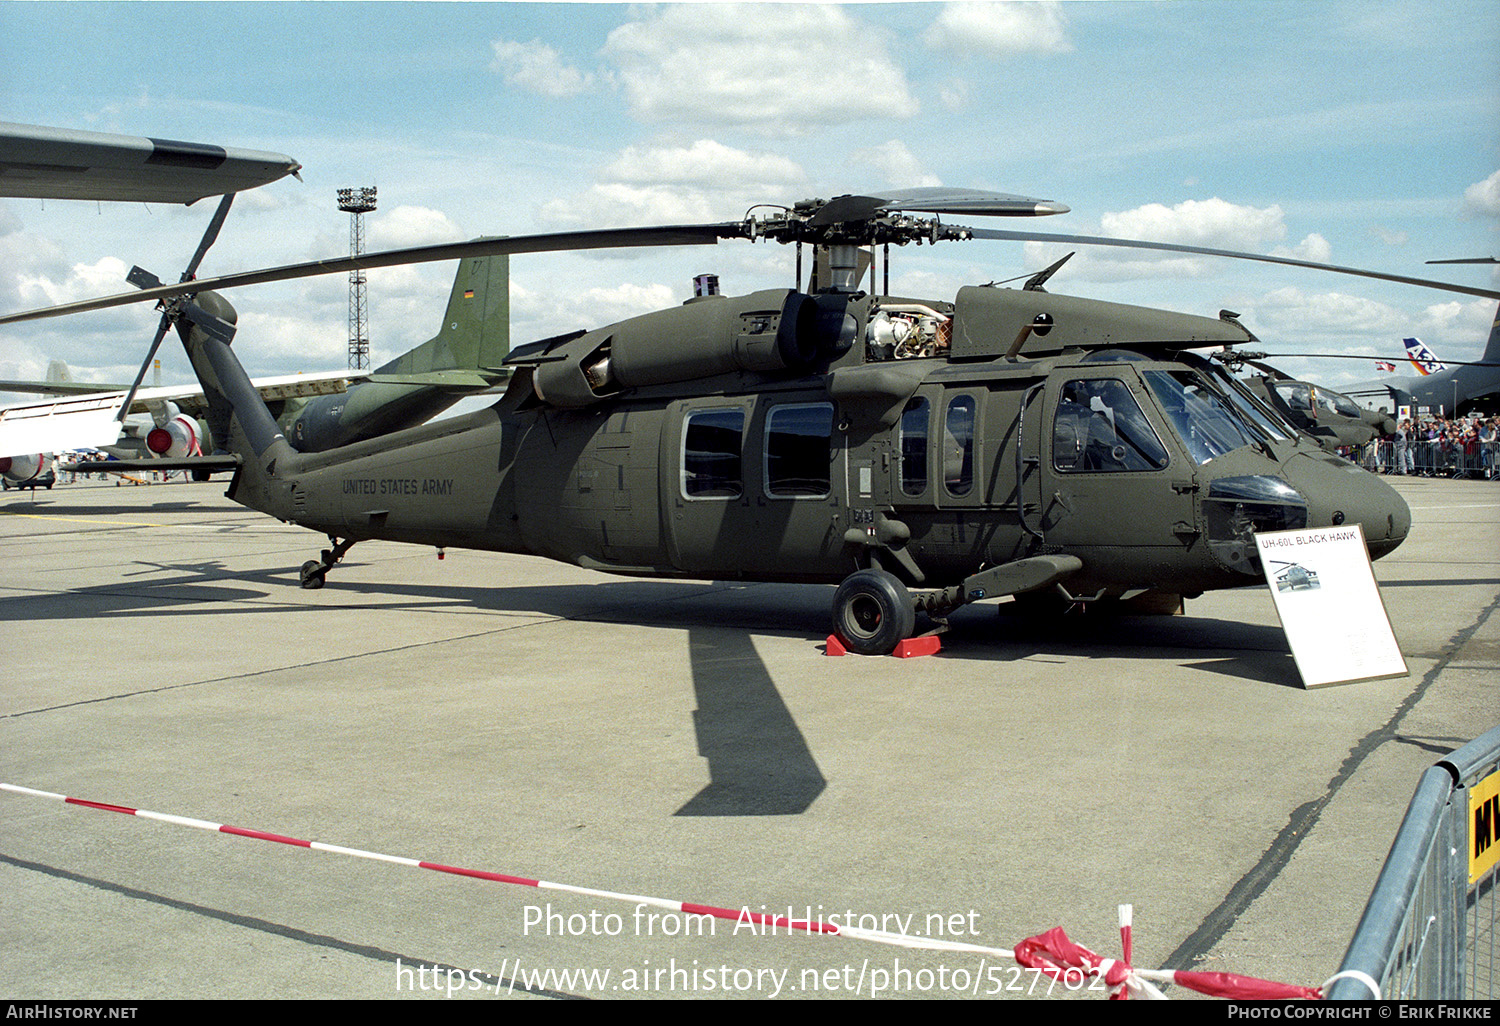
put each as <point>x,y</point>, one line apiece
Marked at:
<point>1329,604</point>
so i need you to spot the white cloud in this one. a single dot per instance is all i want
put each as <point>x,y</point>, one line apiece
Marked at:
<point>10,221</point>
<point>780,69</point>
<point>83,281</point>
<point>1212,222</point>
<point>535,314</point>
<point>705,164</point>
<point>955,94</point>
<point>538,68</point>
<point>412,226</point>
<point>617,204</point>
<point>1000,29</point>
<point>1293,313</point>
<point>1484,197</point>
<point>1314,248</point>
<point>896,165</point>
<point>704,181</point>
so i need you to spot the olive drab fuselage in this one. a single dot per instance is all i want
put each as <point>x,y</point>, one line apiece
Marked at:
<point>1007,440</point>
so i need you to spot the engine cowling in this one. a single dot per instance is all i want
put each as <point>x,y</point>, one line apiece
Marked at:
<point>18,470</point>
<point>766,332</point>
<point>179,436</point>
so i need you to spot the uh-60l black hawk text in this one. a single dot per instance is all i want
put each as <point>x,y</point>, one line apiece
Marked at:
<point>919,453</point>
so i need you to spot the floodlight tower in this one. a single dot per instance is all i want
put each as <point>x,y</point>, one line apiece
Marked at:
<point>358,203</point>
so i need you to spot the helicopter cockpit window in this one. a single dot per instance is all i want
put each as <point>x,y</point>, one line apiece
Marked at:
<point>711,441</point>
<point>1337,402</point>
<point>958,445</point>
<point>914,447</point>
<point>798,450</point>
<point>1099,426</point>
<point>1295,394</point>
<point>1207,422</point>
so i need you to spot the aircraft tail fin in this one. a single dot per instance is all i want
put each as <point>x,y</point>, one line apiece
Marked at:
<point>475,333</point>
<point>58,373</point>
<point>1492,347</point>
<point>1422,358</point>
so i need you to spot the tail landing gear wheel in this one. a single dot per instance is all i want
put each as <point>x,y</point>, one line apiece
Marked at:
<point>872,612</point>
<point>313,574</point>
<point>315,571</point>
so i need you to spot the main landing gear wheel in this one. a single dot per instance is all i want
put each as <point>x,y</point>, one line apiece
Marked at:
<point>873,612</point>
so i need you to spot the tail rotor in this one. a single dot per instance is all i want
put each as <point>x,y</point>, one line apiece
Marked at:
<point>178,307</point>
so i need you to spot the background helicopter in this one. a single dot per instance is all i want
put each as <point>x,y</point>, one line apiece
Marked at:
<point>921,454</point>
<point>1333,419</point>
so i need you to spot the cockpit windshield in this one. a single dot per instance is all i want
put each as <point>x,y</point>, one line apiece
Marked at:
<point>1263,417</point>
<point>1207,420</point>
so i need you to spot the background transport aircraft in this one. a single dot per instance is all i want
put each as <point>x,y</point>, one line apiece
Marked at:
<point>1450,391</point>
<point>1422,358</point>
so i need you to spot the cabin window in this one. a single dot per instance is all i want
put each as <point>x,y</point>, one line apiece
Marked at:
<point>914,447</point>
<point>798,450</point>
<point>1099,426</point>
<point>958,445</point>
<point>711,445</point>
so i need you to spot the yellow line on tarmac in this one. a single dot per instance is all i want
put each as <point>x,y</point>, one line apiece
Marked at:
<point>80,520</point>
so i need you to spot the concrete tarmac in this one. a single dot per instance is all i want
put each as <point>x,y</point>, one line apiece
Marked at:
<point>686,741</point>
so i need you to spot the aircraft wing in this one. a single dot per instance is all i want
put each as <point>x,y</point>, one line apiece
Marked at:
<point>90,421</point>
<point>62,163</point>
<point>59,387</point>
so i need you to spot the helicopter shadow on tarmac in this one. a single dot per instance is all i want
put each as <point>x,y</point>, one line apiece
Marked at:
<point>758,759</point>
<point>1244,651</point>
<point>52,508</point>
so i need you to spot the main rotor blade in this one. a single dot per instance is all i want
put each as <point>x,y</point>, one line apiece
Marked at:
<point>1382,359</point>
<point>1169,247</point>
<point>968,202</point>
<point>608,238</point>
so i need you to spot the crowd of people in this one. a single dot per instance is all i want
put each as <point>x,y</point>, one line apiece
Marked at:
<point>1438,447</point>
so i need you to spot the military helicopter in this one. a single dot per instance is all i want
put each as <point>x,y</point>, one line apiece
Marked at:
<point>920,454</point>
<point>1331,418</point>
<point>1294,577</point>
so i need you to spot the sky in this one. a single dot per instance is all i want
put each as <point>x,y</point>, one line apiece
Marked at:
<point>1361,133</point>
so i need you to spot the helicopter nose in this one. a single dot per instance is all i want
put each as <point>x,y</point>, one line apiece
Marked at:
<point>1338,493</point>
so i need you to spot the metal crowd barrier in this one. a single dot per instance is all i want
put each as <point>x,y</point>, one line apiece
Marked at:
<point>1428,932</point>
<point>1428,459</point>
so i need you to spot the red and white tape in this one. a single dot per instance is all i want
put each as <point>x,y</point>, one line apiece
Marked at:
<point>1051,953</point>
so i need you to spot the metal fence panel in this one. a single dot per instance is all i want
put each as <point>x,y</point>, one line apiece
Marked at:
<point>1428,931</point>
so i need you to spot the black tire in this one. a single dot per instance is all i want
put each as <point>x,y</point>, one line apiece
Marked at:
<point>312,575</point>
<point>872,613</point>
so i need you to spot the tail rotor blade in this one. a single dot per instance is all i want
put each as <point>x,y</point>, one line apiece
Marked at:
<point>161,333</point>
<point>210,236</point>
<point>143,279</point>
